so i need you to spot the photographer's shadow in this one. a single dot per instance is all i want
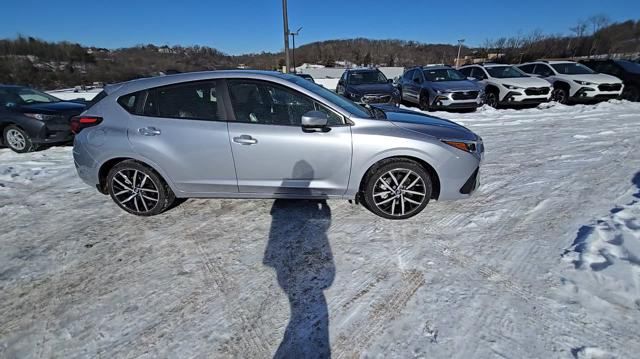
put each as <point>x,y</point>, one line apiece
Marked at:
<point>299,251</point>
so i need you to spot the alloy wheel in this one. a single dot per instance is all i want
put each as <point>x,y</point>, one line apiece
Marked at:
<point>16,139</point>
<point>399,192</point>
<point>135,190</point>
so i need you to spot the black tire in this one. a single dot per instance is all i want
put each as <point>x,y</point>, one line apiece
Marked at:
<point>143,197</point>
<point>373,189</point>
<point>492,98</point>
<point>423,102</point>
<point>560,94</point>
<point>17,139</point>
<point>631,93</point>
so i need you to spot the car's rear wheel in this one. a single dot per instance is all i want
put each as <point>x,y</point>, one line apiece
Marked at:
<point>398,189</point>
<point>138,189</point>
<point>17,139</point>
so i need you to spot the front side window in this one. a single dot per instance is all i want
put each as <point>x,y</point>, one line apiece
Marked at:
<point>263,102</point>
<point>572,68</point>
<point>417,78</point>
<point>367,78</point>
<point>505,72</point>
<point>191,100</point>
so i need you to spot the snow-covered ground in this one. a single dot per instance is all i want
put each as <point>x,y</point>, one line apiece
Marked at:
<point>543,262</point>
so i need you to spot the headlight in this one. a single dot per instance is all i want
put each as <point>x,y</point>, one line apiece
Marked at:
<point>585,83</point>
<point>462,145</point>
<point>440,92</point>
<point>354,96</point>
<point>512,87</point>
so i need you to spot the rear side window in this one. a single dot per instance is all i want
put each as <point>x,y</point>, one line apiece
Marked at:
<point>527,68</point>
<point>190,100</point>
<point>408,75</point>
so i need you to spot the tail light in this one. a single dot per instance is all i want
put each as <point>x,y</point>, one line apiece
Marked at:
<point>79,123</point>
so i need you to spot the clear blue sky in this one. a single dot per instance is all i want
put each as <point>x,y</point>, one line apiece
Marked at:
<point>241,26</point>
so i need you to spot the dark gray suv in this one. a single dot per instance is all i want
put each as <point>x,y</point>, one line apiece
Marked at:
<point>367,86</point>
<point>439,87</point>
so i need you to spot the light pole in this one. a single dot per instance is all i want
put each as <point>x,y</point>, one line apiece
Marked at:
<point>285,19</point>
<point>293,52</point>
<point>459,48</point>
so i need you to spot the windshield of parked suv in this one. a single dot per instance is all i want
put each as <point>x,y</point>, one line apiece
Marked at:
<point>367,78</point>
<point>570,68</point>
<point>24,96</point>
<point>332,97</point>
<point>505,72</point>
<point>438,75</point>
<point>629,66</point>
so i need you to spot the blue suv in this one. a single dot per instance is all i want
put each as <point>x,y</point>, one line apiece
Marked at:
<point>438,87</point>
<point>367,86</point>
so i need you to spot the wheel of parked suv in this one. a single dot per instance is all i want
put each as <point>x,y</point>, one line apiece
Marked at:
<point>17,139</point>
<point>560,95</point>
<point>491,99</point>
<point>138,189</point>
<point>423,102</point>
<point>631,93</point>
<point>397,189</point>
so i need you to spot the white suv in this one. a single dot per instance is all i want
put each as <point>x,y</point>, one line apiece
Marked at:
<point>506,85</point>
<point>574,82</point>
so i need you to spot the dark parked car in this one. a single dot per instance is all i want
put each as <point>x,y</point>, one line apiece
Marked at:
<point>367,86</point>
<point>30,119</point>
<point>307,77</point>
<point>627,71</point>
<point>439,87</point>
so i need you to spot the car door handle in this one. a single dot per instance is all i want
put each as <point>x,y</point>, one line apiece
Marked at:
<point>245,140</point>
<point>149,131</point>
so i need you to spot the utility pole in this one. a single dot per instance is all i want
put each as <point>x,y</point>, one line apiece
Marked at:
<point>293,52</point>
<point>459,48</point>
<point>286,36</point>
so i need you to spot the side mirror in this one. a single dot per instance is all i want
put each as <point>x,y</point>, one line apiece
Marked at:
<point>315,121</point>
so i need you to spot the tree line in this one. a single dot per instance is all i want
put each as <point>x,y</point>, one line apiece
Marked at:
<point>42,64</point>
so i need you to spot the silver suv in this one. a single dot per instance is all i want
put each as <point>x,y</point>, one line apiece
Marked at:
<point>254,134</point>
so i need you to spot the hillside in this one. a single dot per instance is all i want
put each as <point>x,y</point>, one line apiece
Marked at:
<point>30,61</point>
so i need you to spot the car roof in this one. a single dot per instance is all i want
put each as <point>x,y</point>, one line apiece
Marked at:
<point>436,67</point>
<point>149,82</point>
<point>11,86</point>
<point>361,70</point>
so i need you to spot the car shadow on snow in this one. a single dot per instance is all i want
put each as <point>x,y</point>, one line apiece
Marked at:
<point>579,244</point>
<point>300,253</point>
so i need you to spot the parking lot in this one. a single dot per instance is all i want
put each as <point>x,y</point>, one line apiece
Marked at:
<point>492,276</point>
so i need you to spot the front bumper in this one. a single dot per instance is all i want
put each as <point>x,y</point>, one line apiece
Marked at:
<point>446,101</point>
<point>593,93</point>
<point>519,97</point>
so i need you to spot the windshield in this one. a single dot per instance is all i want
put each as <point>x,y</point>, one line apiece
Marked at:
<point>505,72</point>
<point>570,68</point>
<point>438,75</point>
<point>629,66</point>
<point>332,97</point>
<point>367,78</point>
<point>24,96</point>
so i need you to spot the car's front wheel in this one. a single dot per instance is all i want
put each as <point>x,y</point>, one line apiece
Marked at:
<point>17,139</point>
<point>560,95</point>
<point>138,189</point>
<point>397,189</point>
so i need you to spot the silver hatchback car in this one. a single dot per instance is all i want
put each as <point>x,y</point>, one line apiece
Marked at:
<point>258,134</point>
